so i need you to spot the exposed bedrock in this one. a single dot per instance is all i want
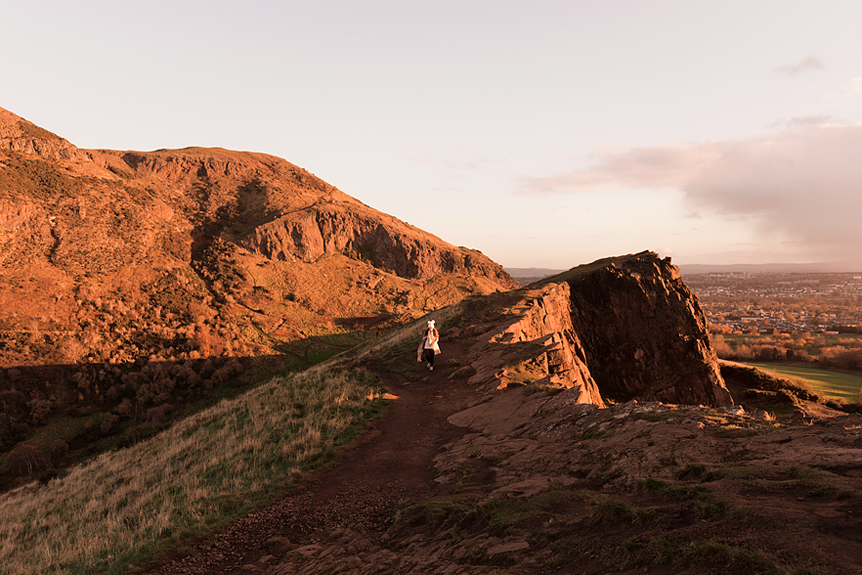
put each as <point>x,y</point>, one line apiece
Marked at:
<point>644,332</point>
<point>537,346</point>
<point>19,135</point>
<point>624,327</point>
<point>387,243</point>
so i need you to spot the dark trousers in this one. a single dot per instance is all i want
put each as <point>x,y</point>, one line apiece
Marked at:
<point>428,355</point>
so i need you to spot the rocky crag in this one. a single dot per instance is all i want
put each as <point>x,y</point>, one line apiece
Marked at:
<point>624,327</point>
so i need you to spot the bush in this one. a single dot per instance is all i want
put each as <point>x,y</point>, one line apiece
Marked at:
<point>26,460</point>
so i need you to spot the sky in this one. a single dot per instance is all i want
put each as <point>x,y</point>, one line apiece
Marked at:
<point>546,133</point>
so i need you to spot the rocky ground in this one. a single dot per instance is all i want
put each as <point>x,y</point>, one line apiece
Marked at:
<point>461,480</point>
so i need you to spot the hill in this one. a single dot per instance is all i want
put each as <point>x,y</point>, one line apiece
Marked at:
<point>134,284</point>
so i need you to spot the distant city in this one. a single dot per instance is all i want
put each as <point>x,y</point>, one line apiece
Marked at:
<point>763,301</point>
<point>781,302</point>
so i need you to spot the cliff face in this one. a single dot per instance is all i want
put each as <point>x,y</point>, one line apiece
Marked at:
<point>283,213</point>
<point>533,342</point>
<point>645,333</point>
<point>625,327</point>
<point>390,245</point>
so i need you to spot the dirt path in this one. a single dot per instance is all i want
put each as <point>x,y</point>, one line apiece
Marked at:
<point>392,462</point>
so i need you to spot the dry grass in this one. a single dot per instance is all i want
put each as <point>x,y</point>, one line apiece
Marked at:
<point>124,506</point>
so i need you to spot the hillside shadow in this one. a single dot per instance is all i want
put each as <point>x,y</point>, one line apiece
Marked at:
<point>54,416</point>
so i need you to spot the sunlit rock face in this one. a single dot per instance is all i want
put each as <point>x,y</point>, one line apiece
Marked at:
<point>23,137</point>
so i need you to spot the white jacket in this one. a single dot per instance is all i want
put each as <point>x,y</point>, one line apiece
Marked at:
<point>428,343</point>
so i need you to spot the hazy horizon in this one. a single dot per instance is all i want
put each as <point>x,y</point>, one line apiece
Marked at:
<point>547,136</point>
<point>814,267</point>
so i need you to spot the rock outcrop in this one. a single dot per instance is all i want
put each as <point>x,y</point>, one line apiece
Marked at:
<point>338,227</point>
<point>536,345</point>
<point>23,137</point>
<point>624,328</point>
<point>644,332</point>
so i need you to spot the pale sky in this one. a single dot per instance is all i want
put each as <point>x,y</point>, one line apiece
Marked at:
<point>544,133</point>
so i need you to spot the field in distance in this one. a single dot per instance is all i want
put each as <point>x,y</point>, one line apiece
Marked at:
<point>829,384</point>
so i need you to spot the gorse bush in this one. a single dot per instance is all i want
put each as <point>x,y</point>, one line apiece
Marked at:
<point>125,506</point>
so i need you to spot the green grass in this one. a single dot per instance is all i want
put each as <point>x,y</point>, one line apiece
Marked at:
<point>506,514</point>
<point>829,384</point>
<point>620,512</point>
<point>123,507</point>
<point>711,552</point>
<point>736,339</point>
<point>818,483</point>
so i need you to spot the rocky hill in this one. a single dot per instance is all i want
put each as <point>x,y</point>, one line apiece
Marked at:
<point>579,424</point>
<point>135,283</point>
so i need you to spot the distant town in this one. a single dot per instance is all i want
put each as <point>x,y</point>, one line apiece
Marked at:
<point>780,302</point>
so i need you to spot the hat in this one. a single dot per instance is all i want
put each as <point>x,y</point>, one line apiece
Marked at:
<point>431,324</point>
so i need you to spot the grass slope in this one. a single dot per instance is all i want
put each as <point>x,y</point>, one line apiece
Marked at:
<point>830,384</point>
<point>125,506</point>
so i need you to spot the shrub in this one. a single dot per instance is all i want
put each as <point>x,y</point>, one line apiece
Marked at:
<point>26,460</point>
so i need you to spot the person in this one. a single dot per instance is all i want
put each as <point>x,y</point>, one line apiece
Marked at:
<point>429,346</point>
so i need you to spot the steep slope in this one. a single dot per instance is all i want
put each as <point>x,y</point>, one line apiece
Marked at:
<point>644,331</point>
<point>17,135</point>
<point>133,283</point>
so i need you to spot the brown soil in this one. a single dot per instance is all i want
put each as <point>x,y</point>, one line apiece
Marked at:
<point>757,513</point>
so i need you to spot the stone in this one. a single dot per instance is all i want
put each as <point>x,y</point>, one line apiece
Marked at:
<point>644,332</point>
<point>625,327</point>
<point>508,547</point>
<point>522,489</point>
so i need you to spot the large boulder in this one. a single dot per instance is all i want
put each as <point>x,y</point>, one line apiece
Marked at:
<point>622,328</point>
<point>644,332</point>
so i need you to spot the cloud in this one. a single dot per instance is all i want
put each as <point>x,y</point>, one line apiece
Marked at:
<point>807,64</point>
<point>659,166</point>
<point>804,183</point>
<point>806,122</point>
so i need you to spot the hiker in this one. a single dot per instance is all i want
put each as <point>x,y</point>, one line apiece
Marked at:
<point>429,347</point>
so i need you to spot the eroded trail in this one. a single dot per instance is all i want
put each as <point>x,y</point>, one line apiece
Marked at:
<point>391,463</point>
